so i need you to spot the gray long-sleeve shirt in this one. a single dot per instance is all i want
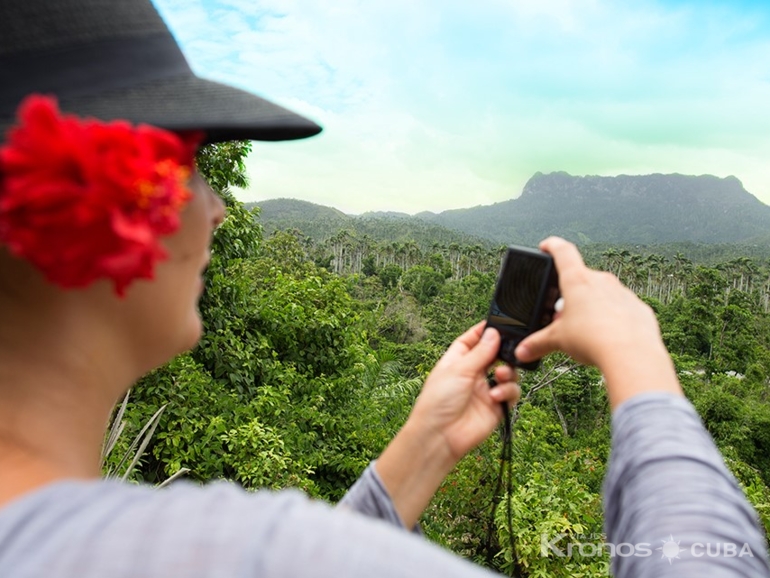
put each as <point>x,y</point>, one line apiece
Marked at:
<point>665,477</point>
<point>668,492</point>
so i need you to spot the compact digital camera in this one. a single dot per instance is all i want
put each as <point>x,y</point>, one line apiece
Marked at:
<point>525,296</point>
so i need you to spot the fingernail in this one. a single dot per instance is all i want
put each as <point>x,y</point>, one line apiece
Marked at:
<point>488,335</point>
<point>521,351</point>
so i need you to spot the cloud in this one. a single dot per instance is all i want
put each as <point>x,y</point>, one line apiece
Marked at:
<point>443,104</point>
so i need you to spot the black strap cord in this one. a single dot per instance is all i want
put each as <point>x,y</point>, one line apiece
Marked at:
<point>505,471</point>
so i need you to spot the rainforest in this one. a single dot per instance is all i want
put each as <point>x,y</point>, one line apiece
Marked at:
<point>315,348</point>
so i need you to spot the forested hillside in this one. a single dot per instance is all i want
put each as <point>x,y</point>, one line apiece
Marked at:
<point>315,350</point>
<point>623,210</point>
<point>319,223</point>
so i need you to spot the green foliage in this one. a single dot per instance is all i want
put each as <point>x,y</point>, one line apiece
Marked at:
<point>424,282</point>
<point>439,263</point>
<point>307,322</point>
<point>461,303</point>
<point>458,518</point>
<point>755,488</point>
<point>222,165</point>
<point>390,274</point>
<point>553,506</point>
<point>370,266</point>
<point>224,351</point>
<point>124,467</point>
<point>742,427</point>
<point>315,349</point>
<point>213,431</point>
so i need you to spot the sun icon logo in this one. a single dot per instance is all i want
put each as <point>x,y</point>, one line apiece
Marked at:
<point>670,549</point>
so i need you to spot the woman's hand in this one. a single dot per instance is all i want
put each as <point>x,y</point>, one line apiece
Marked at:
<point>605,324</point>
<point>455,412</point>
<point>456,403</point>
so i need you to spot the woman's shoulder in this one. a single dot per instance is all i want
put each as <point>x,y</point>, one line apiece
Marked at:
<point>68,497</point>
<point>96,528</point>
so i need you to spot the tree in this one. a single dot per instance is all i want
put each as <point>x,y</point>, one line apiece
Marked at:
<point>223,167</point>
<point>222,349</point>
<point>369,267</point>
<point>423,282</point>
<point>390,274</point>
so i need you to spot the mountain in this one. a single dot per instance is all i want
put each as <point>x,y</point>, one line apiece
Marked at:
<point>647,209</point>
<point>278,210</point>
<point>623,210</point>
<point>319,223</point>
<point>385,215</point>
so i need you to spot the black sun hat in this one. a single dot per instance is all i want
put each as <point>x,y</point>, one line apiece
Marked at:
<point>116,59</point>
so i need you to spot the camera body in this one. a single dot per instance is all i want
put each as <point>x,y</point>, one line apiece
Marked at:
<point>525,295</point>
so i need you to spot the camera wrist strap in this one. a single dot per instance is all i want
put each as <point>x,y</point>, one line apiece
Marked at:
<point>504,475</point>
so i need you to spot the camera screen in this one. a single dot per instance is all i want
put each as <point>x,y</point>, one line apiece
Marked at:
<point>517,291</point>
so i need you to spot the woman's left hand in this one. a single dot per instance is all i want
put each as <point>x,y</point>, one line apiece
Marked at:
<point>456,403</point>
<point>454,413</point>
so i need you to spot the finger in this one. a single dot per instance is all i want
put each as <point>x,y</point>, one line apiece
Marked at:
<point>505,373</point>
<point>538,344</point>
<point>484,352</point>
<point>465,342</point>
<point>508,392</point>
<point>565,255</point>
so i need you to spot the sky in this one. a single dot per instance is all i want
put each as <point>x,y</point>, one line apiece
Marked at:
<point>443,104</point>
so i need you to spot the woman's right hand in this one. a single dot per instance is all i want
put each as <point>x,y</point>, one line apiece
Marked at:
<point>605,324</point>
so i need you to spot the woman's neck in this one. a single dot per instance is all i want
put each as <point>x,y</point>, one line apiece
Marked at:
<point>51,427</point>
<point>64,362</point>
<point>22,473</point>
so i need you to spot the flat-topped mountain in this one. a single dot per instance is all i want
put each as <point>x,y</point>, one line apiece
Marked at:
<point>645,209</point>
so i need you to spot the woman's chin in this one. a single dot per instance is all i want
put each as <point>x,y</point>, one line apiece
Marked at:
<point>191,335</point>
<point>195,331</point>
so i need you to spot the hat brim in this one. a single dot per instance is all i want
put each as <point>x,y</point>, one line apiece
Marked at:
<point>191,103</point>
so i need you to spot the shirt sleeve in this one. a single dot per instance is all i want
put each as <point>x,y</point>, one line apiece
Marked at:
<point>97,529</point>
<point>369,497</point>
<point>671,506</point>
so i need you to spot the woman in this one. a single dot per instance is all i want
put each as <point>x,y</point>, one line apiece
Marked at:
<point>104,234</point>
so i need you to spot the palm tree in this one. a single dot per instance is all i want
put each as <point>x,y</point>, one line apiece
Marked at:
<point>610,258</point>
<point>454,259</point>
<point>621,257</point>
<point>412,251</point>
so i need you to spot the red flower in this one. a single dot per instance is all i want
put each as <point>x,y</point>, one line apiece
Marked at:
<point>85,200</point>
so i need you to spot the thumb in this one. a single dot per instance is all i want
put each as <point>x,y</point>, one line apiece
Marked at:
<point>537,345</point>
<point>485,351</point>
